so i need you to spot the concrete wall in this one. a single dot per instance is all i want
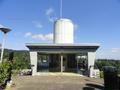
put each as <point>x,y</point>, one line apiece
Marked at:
<point>33,59</point>
<point>91,61</point>
<point>91,58</point>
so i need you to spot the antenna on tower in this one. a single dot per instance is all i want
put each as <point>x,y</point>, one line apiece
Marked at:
<point>61,7</point>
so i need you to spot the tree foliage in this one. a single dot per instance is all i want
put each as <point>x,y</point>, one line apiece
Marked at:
<point>21,59</point>
<point>4,71</point>
<point>107,62</point>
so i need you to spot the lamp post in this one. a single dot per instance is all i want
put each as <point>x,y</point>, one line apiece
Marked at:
<point>5,31</point>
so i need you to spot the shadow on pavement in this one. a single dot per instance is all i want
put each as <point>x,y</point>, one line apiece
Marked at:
<point>90,86</point>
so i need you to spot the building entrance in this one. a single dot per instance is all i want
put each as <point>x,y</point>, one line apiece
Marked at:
<point>52,63</point>
<point>43,63</point>
<point>82,66</point>
<point>69,63</point>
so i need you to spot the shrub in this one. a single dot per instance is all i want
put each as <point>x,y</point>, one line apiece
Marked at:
<point>4,71</point>
<point>101,74</point>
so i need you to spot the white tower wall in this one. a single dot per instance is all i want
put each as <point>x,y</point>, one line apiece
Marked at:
<point>63,31</point>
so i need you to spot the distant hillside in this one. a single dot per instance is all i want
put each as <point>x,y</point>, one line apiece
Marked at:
<point>21,58</point>
<point>7,51</point>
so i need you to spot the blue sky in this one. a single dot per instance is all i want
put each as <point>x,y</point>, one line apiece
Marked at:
<point>31,21</point>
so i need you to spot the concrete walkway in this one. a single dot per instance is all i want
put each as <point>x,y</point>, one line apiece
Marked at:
<point>59,82</point>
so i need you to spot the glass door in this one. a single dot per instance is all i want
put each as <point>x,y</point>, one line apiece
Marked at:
<point>43,63</point>
<point>82,64</point>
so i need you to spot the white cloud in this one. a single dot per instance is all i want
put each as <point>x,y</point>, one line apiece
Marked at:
<point>43,37</point>
<point>49,36</point>
<point>1,26</point>
<point>28,34</point>
<point>76,26</point>
<point>52,19</point>
<point>50,13</point>
<point>115,50</point>
<point>37,24</point>
<point>108,53</point>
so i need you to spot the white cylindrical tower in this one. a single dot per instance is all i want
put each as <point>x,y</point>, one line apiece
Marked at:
<point>63,31</point>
